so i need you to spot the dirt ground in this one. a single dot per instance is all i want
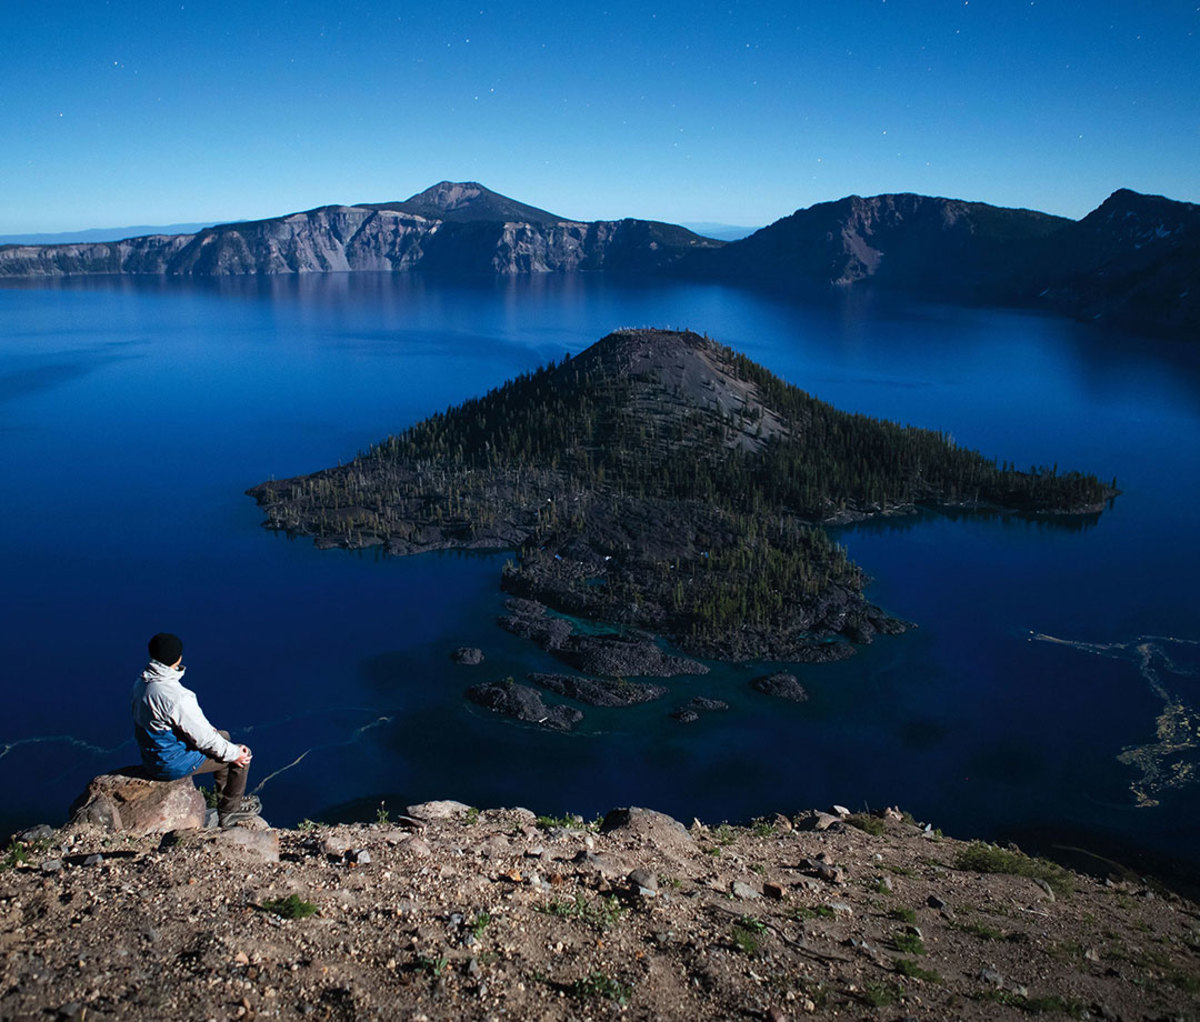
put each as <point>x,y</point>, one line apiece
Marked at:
<point>468,914</point>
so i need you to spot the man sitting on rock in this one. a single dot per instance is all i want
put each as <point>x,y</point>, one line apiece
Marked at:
<point>175,738</point>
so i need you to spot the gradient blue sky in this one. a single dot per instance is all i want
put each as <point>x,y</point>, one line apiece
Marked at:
<point>120,112</point>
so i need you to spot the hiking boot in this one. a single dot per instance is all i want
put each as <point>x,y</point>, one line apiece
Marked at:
<point>251,804</point>
<point>234,817</point>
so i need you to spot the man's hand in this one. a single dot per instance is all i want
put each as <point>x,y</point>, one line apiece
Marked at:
<point>244,759</point>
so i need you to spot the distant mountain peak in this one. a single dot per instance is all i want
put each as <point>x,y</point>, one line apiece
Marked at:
<point>468,201</point>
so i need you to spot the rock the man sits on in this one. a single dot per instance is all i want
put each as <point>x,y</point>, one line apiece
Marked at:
<point>175,738</point>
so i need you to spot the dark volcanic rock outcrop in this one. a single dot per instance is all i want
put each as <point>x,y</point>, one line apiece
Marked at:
<point>524,704</point>
<point>599,691</point>
<point>666,486</point>
<point>782,686</point>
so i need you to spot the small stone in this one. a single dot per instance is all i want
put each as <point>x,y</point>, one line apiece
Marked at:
<point>773,891</point>
<point>830,874</point>
<point>744,891</point>
<point>933,901</point>
<point>914,931</point>
<point>991,976</point>
<point>41,832</point>
<point>646,882</point>
<point>886,884</point>
<point>360,856</point>
<point>473,969</point>
<point>841,811</point>
<point>1092,955</point>
<point>419,847</point>
<point>781,822</point>
<point>1045,888</point>
<point>94,859</point>
<point>241,958</point>
<point>335,845</point>
<point>51,865</point>
<point>840,908</point>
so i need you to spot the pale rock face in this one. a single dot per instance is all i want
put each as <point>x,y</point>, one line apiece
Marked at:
<point>131,804</point>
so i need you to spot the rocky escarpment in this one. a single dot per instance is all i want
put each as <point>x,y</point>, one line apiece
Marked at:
<point>454,912</point>
<point>450,228</point>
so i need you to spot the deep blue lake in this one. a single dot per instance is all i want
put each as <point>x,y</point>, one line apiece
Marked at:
<point>133,415</point>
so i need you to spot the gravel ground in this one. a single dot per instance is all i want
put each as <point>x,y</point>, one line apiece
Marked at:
<point>463,914</point>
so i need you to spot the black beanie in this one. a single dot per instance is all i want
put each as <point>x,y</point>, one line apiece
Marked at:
<point>165,648</point>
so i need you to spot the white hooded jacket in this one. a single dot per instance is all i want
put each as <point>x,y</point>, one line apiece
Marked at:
<point>171,730</point>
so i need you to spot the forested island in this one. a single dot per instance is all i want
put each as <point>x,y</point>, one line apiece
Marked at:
<point>661,482</point>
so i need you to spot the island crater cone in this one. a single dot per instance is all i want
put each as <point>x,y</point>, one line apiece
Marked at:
<point>667,486</point>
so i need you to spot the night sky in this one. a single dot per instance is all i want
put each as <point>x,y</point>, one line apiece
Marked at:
<point>158,112</point>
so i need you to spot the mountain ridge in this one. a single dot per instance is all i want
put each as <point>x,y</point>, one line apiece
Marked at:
<point>1133,263</point>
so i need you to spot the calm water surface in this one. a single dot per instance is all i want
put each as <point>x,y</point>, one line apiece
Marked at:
<point>134,415</point>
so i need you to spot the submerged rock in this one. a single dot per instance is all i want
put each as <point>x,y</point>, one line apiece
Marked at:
<point>467,655</point>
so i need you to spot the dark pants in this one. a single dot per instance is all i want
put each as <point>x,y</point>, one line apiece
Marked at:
<point>229,780</point>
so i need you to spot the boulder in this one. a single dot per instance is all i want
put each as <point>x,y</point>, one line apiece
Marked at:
<point>128,801</point>
<point>648,827</point>
<point>467,655</point>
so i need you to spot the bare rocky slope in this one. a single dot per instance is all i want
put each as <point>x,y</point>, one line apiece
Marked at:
<point>453,913</point>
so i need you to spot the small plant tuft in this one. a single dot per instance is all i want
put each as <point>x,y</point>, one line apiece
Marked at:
<point>291,907</point>
<point>909,944</point>
<point>903,915</point>
<point>600,985</point>
<point>911,968</point>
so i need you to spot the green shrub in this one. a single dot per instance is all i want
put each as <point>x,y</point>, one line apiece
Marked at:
<point>864,821</point>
